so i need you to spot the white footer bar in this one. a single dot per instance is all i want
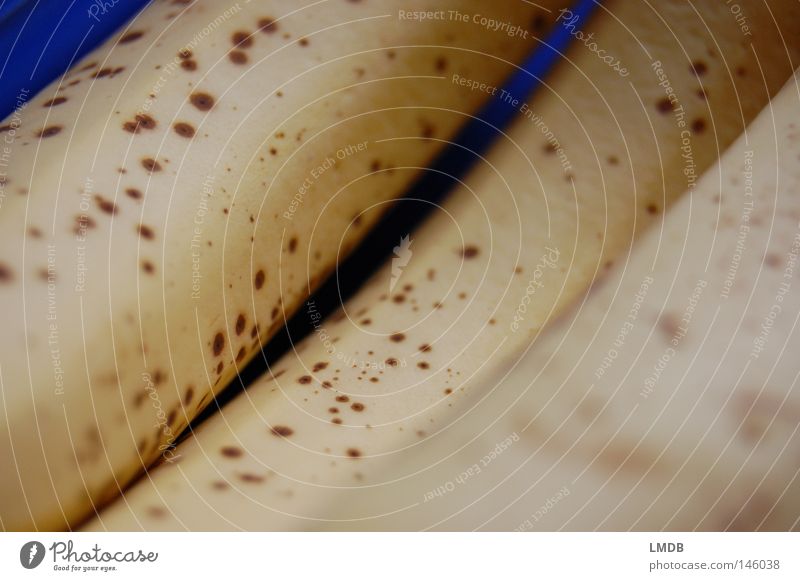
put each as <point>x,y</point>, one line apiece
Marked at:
<point>406,556</point>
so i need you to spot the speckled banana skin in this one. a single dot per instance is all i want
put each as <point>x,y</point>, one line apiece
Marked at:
<point>328,439</point>
<point>180,192</point>
<point>667,401</point>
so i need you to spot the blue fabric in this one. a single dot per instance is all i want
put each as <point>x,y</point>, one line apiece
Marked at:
<point>499,112</point>
<point>480,133</point>
<point>40,39</point>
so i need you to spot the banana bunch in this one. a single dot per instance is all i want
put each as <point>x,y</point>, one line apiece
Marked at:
<point>666,400</point>
<point>182,190</point>
<point>381,417</point>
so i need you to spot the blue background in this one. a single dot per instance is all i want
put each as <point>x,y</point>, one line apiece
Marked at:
<point>40,39</point>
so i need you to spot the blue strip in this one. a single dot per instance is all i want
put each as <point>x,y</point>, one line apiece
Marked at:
<point>40,39</point>
<point>479,134</point>
<point>9,7</point>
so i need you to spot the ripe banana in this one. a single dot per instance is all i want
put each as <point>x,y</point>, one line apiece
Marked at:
<point>668,400</point>
<point>644,103</point>
<point>182,190</point>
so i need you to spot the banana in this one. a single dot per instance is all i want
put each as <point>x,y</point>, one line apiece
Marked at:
<point>181,191</point>
<point>642,105</point>
<point>668,400</point>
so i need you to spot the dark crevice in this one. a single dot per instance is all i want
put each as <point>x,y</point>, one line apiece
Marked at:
<point>408,213</point>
